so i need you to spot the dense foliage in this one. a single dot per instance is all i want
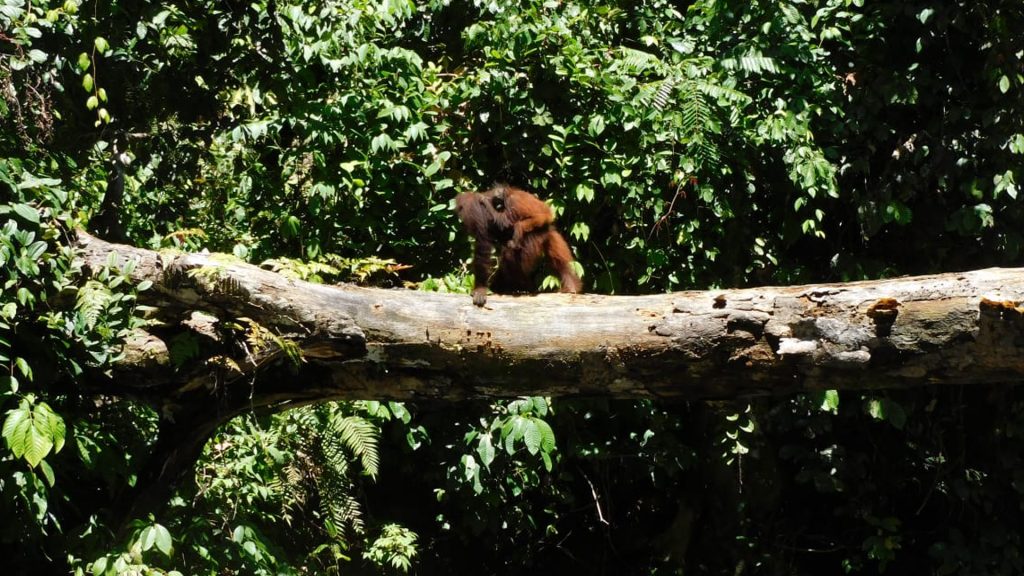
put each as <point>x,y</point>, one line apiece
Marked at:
<point>682,144</point>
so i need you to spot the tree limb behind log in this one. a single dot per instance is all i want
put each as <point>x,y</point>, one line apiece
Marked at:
<point>362,343</point>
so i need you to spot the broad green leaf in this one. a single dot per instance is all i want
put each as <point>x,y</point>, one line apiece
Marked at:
<point>24,368</point>
<point>36,250</point>
<point>584,192</point>
<point>469,466</point>
<point>54,423</point>
<point>547,435</point>
<point>531,435</point>
<point>39,440</point>
<point>147,538</point>
<point>26,212</point>
<point>47,471</point>
<point>16,428</point>
<point>163,540</point>
<point>32,432</point>
<point>485,448</point>
<point>507,430</point>
<point>432,168</point>
<point>580,231</point>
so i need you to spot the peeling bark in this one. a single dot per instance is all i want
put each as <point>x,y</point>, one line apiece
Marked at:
<point>356,342</point>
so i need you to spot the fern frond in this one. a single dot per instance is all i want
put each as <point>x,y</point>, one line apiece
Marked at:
<point>299,270</point>
<point>360,436</point>
<point>752,63</point>
<point>290,348</point>
<point>332,440</point>
<point>206,274</point>
<point>338,504</point>
<point>697,121</point>
<point>635,61</point>
<point>349,509</point>
<point>695,110</point>
<point>92,300</point>
<point>664,91</point>
<point>719,92</point>
<point>306,418</point>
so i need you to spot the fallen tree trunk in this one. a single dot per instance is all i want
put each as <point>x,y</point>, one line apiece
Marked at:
<point>360,343</point>
<point>266,342</point>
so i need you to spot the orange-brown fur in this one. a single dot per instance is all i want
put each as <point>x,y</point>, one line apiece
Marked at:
<point>521,226</point>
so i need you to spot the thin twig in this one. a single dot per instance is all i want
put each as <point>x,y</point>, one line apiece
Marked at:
<point>597,501</point>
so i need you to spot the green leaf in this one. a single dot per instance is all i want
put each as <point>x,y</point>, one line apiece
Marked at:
<point>99,566</point>
<point>485,448</point>
<point>38,441</point>
<point>580,231</point>
<point>432,168</point>
<point>35,250</point>
<point>830,403</point>
<point>164,543</point>
<point>1004,84</point>
<point>84,62</point>
<point>47,471</point>
<point>875,409</point>
<point>547,436</point>
<point>32,432</point>
<point>16,428</point>
<point>26,212</point>
<point>532,435</point>
<point>24,368</point>
<point>87,83</point>
<point>291,226</point>
<point>894,414</point>
<point>101,44</point>
<point>584,192</point>
<point>147,538</point>
<point>55,425</point>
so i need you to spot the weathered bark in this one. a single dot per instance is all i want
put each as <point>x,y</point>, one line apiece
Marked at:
<point>401,344</point>
<point>362,343</point>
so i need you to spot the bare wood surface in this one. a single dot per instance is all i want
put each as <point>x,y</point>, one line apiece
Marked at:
<point>363,343</point>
